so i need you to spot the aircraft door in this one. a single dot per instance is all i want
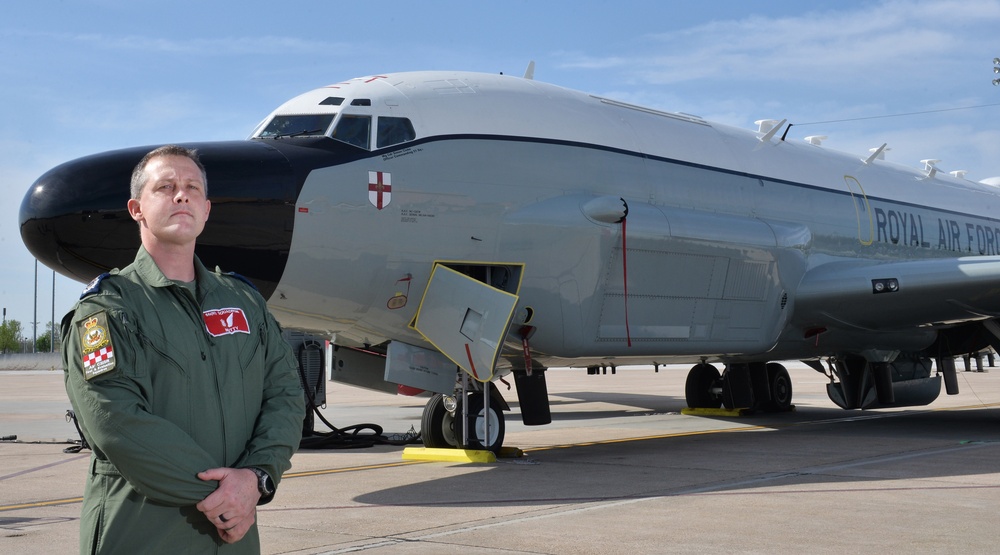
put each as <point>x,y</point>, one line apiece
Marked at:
<point>862,210</point>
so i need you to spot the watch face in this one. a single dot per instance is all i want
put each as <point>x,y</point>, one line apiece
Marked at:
<point>264,483</point>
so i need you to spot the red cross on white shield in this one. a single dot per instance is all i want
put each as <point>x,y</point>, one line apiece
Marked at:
<point>379,189</point>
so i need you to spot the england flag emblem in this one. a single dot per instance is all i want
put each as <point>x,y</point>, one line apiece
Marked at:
<point>379,189</point>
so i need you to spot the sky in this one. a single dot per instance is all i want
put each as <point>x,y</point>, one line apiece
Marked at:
<point>79,77</point>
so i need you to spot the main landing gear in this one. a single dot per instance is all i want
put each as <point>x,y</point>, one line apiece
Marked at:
<point>754,385</point>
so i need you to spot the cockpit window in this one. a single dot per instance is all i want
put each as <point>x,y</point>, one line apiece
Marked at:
<point>297,126</point>
<point>393,131</point>
<point>355,130</point>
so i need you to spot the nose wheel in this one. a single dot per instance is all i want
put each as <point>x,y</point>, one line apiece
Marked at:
<point>437,424</point>
<point>442,425</point>
<point>485,424</point>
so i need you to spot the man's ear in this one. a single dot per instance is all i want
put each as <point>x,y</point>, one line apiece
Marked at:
<point>135,209</point>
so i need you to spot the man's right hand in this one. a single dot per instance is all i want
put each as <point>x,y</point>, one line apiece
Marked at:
<point>232,507</point>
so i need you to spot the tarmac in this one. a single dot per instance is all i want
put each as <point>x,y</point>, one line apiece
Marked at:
<point>619,470</point>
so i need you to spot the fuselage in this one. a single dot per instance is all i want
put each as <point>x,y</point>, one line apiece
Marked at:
<point>721,224</point>
<point>628,234</point>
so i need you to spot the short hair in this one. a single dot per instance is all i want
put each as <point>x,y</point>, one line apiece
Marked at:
<point>139,173</point>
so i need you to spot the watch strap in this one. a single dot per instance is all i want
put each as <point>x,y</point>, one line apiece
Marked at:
<point>265,485</point>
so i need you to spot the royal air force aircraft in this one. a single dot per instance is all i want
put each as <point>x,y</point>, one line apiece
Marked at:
<point>440,224</point>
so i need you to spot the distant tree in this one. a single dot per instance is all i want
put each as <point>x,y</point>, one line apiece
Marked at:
<point>44,342</point>
<point>10,336</point>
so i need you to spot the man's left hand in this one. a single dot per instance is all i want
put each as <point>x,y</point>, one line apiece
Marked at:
<point>232,507</point>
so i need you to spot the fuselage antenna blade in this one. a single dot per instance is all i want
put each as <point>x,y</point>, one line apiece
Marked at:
<point>774,131</point>
<point>875,154</point>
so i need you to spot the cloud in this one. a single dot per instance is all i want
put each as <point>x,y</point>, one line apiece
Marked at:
<point>220,46</point>
<point>905,39</point>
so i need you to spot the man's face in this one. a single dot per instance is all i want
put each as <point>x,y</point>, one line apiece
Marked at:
<point>172,208</point>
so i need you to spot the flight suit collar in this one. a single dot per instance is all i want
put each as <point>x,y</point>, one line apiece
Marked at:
<point>150,273</point>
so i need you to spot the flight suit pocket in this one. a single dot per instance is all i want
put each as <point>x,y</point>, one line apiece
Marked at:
<point>253,351</point>
<point>252,359</point>
<point>166,380</point>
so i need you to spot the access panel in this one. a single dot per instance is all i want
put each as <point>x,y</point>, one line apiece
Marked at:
<point>465,319</point>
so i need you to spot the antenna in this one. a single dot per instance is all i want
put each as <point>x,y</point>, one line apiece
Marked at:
<point>929,168</point>
<point>529,72</point>
<point>876,153</point>
<point>774,131</point>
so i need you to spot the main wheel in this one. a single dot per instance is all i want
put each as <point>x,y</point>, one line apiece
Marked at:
<point>478,416</point>
<point>781,388</point>
<point>699,389</point>
<point>437,425</point>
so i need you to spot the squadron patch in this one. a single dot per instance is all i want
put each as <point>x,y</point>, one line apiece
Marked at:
<point>225,321</point>
<point>95,339</point>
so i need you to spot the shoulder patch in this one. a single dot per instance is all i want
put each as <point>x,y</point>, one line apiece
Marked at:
<point>95,341</point>
<point>241,278</point>
<point>94,286</point>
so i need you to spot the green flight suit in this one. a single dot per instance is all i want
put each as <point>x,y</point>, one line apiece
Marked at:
<point>166,385</point>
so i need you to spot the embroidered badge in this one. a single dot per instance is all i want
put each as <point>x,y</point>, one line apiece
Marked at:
<point>95,285</point>
<point>225,321</point>
<point>98,352</point>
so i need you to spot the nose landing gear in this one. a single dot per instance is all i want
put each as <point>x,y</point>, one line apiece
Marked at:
<point>447,417</point>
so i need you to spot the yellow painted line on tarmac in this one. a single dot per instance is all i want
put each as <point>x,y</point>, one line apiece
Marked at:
<point>646,438</point>
<point>967,407</point>
<point>348,469</point>
<point>49,503</point>
<point>717,412</point>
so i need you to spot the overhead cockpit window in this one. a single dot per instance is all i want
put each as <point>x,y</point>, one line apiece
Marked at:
<point>355,130</point>
<point>297,126</point>
<point>393,131</point>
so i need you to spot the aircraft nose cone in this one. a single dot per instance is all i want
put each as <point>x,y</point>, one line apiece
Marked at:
<point>74,217</point>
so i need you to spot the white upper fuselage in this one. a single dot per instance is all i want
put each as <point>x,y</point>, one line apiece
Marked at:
<point>509,163</point>
<point>441,103</point>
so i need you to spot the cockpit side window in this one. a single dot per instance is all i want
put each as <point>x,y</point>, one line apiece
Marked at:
<point>297,126</point>
<point>355,130</point>
<point>393,131</point>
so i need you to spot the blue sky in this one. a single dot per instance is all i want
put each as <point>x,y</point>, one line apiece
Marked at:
<point>79,77</point>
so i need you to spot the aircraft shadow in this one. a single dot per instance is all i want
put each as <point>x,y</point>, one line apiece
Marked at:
<point>839,454</point>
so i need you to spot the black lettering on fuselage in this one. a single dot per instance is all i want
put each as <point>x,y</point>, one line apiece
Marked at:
<point>880,225</point>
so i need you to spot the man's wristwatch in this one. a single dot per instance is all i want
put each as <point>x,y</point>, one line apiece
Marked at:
<point>265,485</point>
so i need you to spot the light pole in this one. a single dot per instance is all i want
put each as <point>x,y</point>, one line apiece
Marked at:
<point>996,69</point>
<point>34,333</point>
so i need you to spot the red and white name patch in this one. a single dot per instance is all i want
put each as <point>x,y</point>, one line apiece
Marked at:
<point>225,321</point>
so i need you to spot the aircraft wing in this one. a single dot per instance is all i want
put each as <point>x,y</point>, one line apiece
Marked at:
<point>899,295</point>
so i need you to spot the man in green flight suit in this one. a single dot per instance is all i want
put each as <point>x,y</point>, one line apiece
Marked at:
<point>182,384</point>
